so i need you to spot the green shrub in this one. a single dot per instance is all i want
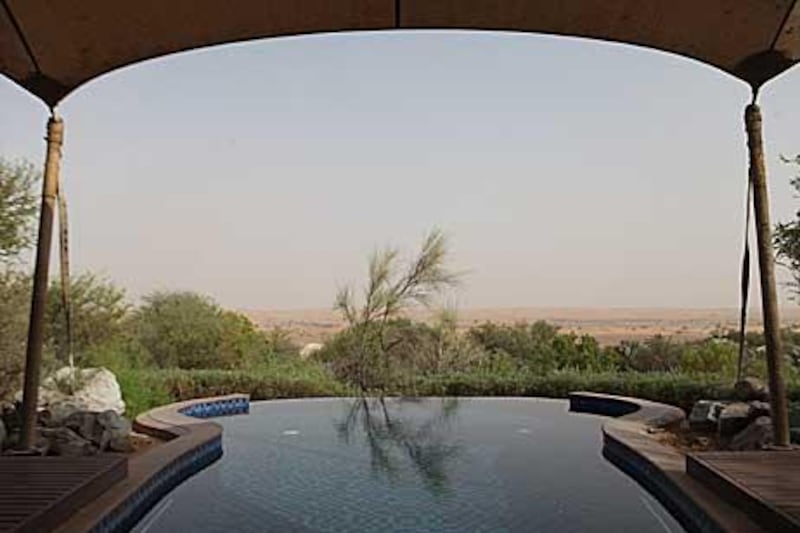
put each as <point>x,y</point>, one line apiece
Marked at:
<point>301,380</point>
<point>540,346</point>
<point>672,388</point>
<point>180,329</point>
<point>710,356</point>
<point>189,330</point>
<point>14,307</point>
<point>658,353</point>
<point>279,342</point>
<point>286,379</point>
<point>530,345</point>
<point>142,390</point>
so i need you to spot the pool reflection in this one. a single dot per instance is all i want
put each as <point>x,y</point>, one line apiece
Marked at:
<point>395,439</point>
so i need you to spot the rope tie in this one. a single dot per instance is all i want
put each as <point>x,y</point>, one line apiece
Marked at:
<point>63,245</point>
<point>745,282</point>
<point>752,113</point>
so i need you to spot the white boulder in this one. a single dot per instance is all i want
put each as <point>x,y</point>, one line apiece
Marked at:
<point>310,349</point>
<point>80,389</point>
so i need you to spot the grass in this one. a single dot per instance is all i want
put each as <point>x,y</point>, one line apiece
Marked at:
<point>141,391</point>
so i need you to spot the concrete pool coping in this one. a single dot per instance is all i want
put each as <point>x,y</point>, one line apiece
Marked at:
<point>630,444</point>
<point>191,443</point>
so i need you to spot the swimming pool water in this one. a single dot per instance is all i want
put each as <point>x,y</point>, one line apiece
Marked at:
<point>449,465</point>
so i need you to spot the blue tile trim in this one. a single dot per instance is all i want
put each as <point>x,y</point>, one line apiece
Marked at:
<point>126,515</point>
<point>213,408</point>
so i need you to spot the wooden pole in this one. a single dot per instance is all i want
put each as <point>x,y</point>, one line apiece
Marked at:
<point>33,356</point>
<point>766,263</point>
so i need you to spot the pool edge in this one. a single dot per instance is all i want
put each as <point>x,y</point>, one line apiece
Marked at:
<point>192,443</point>
<point>629,443</point>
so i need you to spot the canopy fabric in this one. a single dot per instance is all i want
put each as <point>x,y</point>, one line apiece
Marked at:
<point>51,47</point>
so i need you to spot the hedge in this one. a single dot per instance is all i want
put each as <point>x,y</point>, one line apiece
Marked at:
<point>676,389</point>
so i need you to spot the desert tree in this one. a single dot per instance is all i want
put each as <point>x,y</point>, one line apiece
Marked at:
<point>392,288</point>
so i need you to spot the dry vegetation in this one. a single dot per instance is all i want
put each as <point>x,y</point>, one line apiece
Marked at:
<point>608,326</point>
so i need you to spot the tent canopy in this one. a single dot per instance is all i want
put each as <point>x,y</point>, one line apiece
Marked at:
<point>51,47</point>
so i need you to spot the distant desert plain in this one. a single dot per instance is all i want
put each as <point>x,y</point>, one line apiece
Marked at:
<point>607,325</point>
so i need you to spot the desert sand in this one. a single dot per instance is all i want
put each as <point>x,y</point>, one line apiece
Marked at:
<point>608,325</point>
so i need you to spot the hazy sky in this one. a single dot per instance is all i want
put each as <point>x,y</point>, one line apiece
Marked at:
<point>567,172</point>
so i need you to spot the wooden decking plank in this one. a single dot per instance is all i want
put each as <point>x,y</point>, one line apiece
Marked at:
<point>39,493</point>
<point>765,484</point>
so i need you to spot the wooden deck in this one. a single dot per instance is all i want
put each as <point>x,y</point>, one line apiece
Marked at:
<point>39,493</point>
<point>766,484</point>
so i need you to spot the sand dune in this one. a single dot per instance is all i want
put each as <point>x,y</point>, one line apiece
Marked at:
<point>609,326</point>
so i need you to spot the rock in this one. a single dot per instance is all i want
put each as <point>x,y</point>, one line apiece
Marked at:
<point>64,442</point>
<point>704,415</point>
<point>310,349</point>
<point>756,436</point>
<point>99,428</point>
<point>116,429</point>
<point>60,411</point>
<point>84,423</point>
<point>55,414</point>
<point>11,417</point>
<point>758,409</point>
<point>734,418</point>
<point>88,389</point>
<point>750,389</point>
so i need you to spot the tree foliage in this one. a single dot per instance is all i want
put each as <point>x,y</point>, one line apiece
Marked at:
<point>18,207</point>
<point>98,307</point>
<point>787,238</point>
<point>369,352</point>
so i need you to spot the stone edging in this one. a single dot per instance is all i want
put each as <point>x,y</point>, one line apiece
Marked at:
<point>629,443</point>
<point>192,444</point>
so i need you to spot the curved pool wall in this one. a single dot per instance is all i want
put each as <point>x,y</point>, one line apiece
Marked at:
<point>192,445</point>
<point>629,443</point>
<point>491,475</point>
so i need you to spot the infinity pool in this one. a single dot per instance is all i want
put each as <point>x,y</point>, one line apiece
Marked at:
<point>442,465</point>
